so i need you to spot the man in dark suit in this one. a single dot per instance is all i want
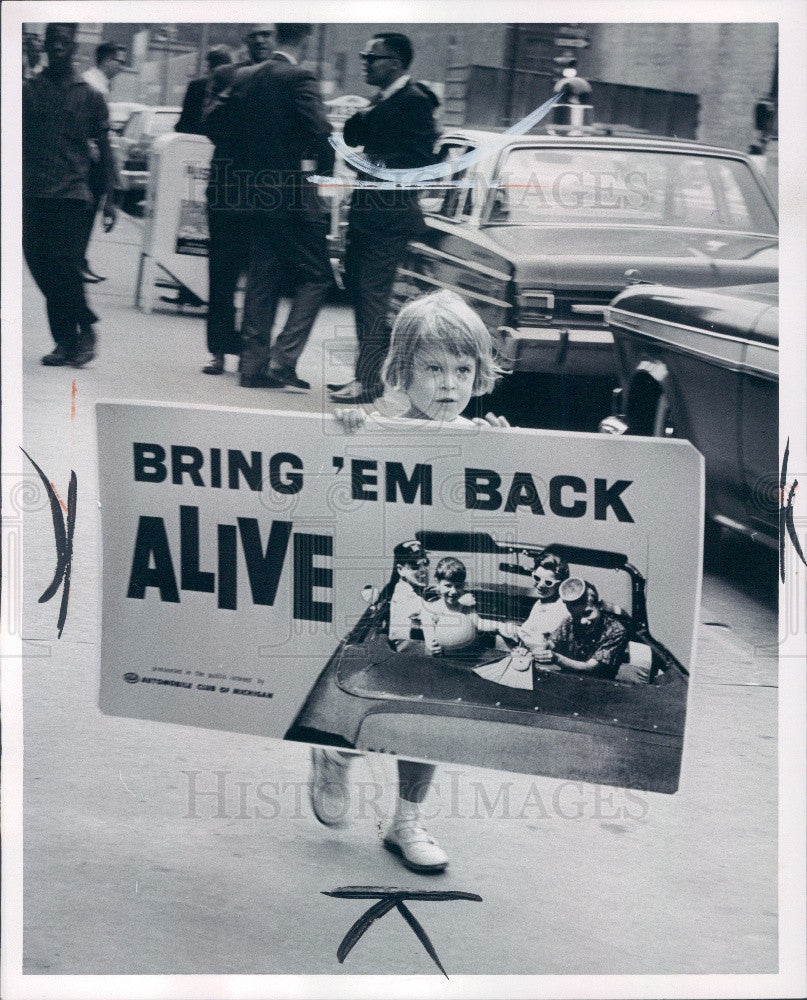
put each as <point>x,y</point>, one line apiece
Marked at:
<point>396,130</point>
<point>193,104</point>
<point>227,218</point>
<point>275,116</point>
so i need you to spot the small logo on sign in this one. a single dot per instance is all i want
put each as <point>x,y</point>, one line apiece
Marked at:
<point>131,678</point>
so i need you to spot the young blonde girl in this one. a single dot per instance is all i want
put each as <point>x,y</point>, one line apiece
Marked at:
<point>441,355</point>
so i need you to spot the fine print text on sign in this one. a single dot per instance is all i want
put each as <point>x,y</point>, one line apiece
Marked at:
<point>267,573</point>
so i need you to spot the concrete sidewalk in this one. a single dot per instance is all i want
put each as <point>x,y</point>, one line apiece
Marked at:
<point>159,849</point>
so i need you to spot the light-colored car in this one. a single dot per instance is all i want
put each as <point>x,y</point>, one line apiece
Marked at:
<point>120,112</point>
<point>132,148</point>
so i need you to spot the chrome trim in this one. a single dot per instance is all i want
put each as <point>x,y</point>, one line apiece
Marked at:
<point>454,288</point>
<point>548,297</point>
<point>442,255</point>
<point>612,310</point>
<point>739,365</point>
<point>588,310</point>
<point>554,335</point>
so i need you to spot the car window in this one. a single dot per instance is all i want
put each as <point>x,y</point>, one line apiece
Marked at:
<point>587,186</point>
<point>134,126</point>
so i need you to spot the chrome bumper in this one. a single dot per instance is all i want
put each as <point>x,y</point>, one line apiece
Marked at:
<point>558,350</point>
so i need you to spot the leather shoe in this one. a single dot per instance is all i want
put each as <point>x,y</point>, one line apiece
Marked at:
<point>88,276</point>
<point>338,386</point>
<point>85,351</point>
<point>354,393</point>
<point>215,366</point>
<point>289,378</point>
<point>58,356</point>
<point>416,848</point>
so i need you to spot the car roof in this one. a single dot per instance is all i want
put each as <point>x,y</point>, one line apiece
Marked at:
<point>605,139</point>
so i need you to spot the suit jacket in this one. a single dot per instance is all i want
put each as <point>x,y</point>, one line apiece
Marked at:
<point>397,132</point>
<point>274,119</point>
<point>190,120</point>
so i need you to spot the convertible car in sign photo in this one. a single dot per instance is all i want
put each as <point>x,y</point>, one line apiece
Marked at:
<point>625,731</point>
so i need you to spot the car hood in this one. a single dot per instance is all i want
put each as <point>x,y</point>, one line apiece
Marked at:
<point>597,257</point>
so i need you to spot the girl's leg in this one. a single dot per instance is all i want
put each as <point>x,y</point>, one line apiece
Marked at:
<point>414,780</point>
<point>329,785</point>
<point>407,835</point>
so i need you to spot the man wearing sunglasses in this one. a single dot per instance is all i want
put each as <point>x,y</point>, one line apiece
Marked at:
<point>396,130</point>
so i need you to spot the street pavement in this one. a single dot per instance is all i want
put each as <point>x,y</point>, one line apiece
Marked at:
<point>131,868</point>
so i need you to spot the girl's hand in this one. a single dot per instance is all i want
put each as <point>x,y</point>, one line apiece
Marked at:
<point>543,656</point>
<point>491,420</point>
<point>433,647</point>
<point>351,418</point>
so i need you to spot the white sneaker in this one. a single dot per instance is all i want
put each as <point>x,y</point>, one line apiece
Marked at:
<point>415,846</point>
<point>328,789</point>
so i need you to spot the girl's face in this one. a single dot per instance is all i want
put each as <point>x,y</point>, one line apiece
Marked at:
<point>442,384</point>
<point>450,592</point>
<point>546,583</point>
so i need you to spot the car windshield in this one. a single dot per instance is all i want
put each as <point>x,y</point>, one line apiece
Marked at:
<point>628,187</point>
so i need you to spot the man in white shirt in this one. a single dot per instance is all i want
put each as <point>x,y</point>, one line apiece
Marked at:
<point>109,60</point>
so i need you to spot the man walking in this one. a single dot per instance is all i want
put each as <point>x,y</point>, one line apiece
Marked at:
<point>61,116</point>
<point>275,117</point>
<point>227,216</point>
<point>397,130</point>
<point>109,60</point>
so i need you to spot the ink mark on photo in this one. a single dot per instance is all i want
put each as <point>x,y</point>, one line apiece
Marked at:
<point>390,898</point>
<point>63,531</point>
<point>438,172</point>
<point>786,523</point>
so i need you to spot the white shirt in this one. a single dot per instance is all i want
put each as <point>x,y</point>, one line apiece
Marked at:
<point>396,85</point>
<point>542,620</point>
<point>97,80</point>
<point>405,604</point>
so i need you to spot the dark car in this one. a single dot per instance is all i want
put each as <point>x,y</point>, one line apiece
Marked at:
<point>626,731</point>
<point>542,231</point>
<point>704,365</point>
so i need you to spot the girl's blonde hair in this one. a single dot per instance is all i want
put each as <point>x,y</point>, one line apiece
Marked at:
<point>440,320</point>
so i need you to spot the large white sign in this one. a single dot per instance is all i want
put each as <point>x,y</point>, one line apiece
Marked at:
<point>249,561</point>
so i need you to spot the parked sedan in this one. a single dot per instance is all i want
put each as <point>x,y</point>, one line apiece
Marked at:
<point>132,149</point>
<point>704,365</point>
<point>540,232</point>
